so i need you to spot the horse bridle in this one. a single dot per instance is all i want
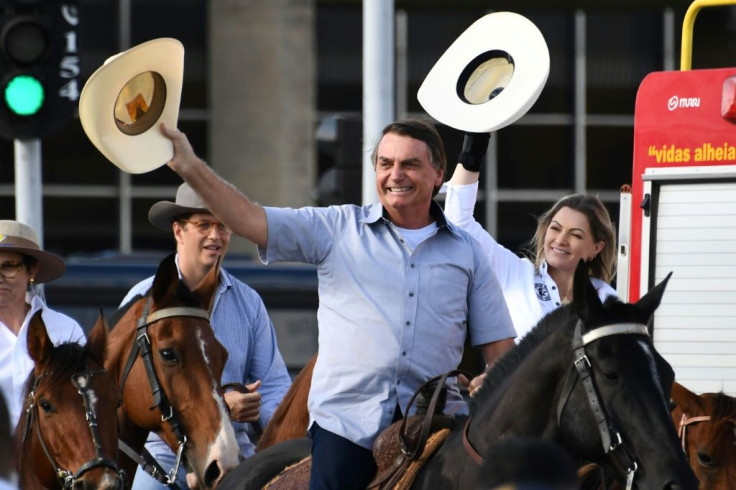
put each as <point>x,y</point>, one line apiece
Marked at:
<point>682,429</point>
<point>81,381</point>
<point>613,444</point>
<point>142,346</point>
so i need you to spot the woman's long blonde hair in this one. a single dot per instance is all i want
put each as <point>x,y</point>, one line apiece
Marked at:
<point>603,265</point>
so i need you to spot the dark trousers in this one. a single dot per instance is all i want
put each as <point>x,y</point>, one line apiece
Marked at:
<point>337,463</point>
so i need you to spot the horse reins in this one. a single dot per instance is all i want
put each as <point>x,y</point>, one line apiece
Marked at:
<point>80,380</point>
<point>611,439</point>
<point>142,346</point>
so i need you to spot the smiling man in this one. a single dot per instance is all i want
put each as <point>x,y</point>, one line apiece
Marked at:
<point>400,288</point>
<point>238,317</point>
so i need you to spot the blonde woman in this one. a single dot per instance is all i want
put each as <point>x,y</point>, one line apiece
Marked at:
<point>576,227</point>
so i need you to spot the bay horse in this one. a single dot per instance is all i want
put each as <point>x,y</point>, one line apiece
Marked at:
<point>168,362</point>
<point>587,377</point>
<point>67,434</point>
<point>706,425</point>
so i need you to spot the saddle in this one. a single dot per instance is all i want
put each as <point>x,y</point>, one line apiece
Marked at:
<point>401,449</point>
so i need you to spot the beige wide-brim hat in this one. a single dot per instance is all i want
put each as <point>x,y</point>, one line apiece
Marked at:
<point>124,102</point>
<point>163,213</point>
<point>490,76</point>
<point>20,238</point>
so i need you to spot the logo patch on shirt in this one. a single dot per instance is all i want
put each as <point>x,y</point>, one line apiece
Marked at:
<point>542,292</point>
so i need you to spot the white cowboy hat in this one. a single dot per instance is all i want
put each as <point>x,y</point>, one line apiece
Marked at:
<point>20,238</point>
<point>125,100</point>
<point>490,76</point>
<point>163,213</point>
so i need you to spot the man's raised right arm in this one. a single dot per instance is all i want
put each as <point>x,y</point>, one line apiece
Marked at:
<point>240,214</point>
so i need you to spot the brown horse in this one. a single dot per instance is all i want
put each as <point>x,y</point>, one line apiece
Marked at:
<point>291,418</point>
<point>168,362</point>
<point>67,434</point>
<point>706,425</point>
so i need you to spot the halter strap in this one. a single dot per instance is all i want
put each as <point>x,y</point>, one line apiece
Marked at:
<point>610,437</point>
<point>66,477</point>
<point>142,345</point>
<point>682,429</point>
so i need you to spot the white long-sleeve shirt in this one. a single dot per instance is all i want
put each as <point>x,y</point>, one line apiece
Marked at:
<point>530,293</point>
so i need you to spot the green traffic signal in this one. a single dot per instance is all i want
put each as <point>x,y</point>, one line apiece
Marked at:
<point>24,95</point>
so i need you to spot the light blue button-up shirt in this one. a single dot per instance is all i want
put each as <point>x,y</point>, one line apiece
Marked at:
<point>389,317</point>
<point>243,327</point>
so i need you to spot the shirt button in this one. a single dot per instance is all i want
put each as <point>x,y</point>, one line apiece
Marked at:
<point>408,323</point>
<point>398,382</point>
<point>554,287</point>
<point>412,266</point>
<point>557,304</point>
<point>403,353</point>
<point>411,294</point>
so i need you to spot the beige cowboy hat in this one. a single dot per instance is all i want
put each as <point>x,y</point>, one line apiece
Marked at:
<point>20,238</point>
<point>163,213</point>
<point>124,102</point>
<point>490,76</point>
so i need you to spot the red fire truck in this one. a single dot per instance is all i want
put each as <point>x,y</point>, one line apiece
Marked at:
<point>679,216</point>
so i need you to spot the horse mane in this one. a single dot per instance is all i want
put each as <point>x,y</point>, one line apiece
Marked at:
<point>724,406</point>
<point>499,373</point>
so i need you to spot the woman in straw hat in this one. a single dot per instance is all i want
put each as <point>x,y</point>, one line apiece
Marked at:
<point>22,265</point>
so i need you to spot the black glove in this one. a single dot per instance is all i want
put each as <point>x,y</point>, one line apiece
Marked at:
<point>474,150</point>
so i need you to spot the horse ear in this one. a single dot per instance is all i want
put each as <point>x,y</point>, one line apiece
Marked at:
<point>40,346</point>
<point>205,290</point>
<point>166,280</point>
<point>650,301</point>
<point>685,399</point>
<point>584,297</point>
<point>97,342</point>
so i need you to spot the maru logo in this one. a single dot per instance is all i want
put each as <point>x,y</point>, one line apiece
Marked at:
<point>676,102</point>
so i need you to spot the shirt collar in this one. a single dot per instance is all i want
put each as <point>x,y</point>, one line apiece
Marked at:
<point>376,211</point>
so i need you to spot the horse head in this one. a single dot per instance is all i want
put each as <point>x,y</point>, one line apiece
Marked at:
<point>170,363</point>
<point>68,433</point>
<point>706,425</point>
<point>620,392</point>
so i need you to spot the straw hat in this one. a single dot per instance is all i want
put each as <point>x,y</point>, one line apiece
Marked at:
<point>123,103</point>
<point>20,238</point>
<point>187,201</point>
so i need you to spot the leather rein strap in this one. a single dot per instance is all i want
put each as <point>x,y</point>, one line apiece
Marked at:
<point>142,346</point>
<point>610,437</point>
<point>682,429</point>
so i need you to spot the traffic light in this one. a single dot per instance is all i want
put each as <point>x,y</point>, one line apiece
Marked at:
<point>39,66</point>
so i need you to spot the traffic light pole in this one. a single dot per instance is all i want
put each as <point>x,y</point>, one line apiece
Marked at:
<point>28,184</point>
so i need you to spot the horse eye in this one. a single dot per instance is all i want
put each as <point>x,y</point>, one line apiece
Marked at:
<point>46,406</point>
<point>610,375</point>
<point>168,356</point>
<point>705,460</point>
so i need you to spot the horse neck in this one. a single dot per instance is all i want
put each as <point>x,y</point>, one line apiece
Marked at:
<point>535,383</point>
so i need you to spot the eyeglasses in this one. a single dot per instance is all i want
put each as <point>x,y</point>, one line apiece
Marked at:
<point>205,226</point>
<point>10,269</point>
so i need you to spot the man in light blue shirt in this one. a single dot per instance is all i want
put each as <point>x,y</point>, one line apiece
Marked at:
<point>400,288</point>
<point>238,317</point>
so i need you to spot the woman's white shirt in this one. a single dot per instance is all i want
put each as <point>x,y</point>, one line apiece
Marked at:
<point>529,293</point>
<point>15,362</point>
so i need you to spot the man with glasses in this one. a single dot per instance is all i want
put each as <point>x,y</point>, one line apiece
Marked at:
<point>238,317</point>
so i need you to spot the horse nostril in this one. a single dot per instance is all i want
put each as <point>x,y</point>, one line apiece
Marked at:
<point>211,474</point>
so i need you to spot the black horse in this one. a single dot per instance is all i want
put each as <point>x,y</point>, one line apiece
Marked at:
<point>588,378</point>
